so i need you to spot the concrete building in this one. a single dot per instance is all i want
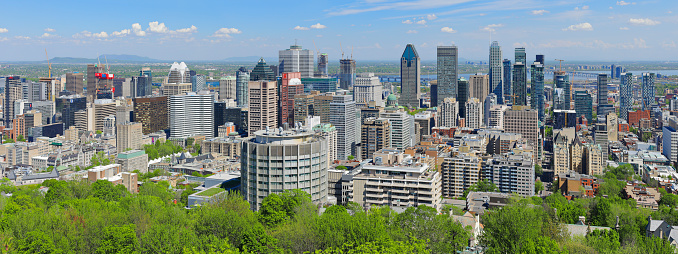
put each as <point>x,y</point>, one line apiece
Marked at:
<point>227,88</point>
<point>152,113</point>
<point>329,132</point>
<point>263,105</point>
<point>474,113</point>
<point>176,88</point>
<point>459,172</point>
<point>402,124</point>
<point>376,135</point>
<point>191,114</point>
<point>129,136</point>
<point>226,146</point>
<point>367,88</point>
<point>274,161</point>
<point>102,109</point>
<point>343,116</point>
<point>447,57</point>
<point>496,71</point>
<point>448,112</point>
<point>296,59</point>
<point>75,82</point>
<point>303,107</point>
<point>479,86</point>
<point>347,74</point>
<point>601,137</point>
<point>524,121</point>
<point>84,120</point>
<point>133,160</point>
<point>511,173</point>
<point>410,75</point>
<point>561,154</point>
<point>199,82</point>
<point>496,118</point>
<point>426,121</point>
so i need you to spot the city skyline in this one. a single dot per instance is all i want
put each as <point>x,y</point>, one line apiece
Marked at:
<point>367,30</point>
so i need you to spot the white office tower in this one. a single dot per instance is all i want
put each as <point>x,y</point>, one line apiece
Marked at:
<point>474,113</point>
<point>448,112</point>
<point>179,73</point>
<point>343,117</point>
<point>402,127</point>
<point>368,88</point>
<point>275,160</point>
<point>496,119</point>
<point>496,67</point>
<point>296,59</point>
<point>192,114</point>
<point>490,100</point>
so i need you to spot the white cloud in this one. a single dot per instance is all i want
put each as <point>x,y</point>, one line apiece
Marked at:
<point>622,3</point>
<point>448,30</point>
<point>21,37</point>
<point>157,27</point>
<point>644,22</point>
<point>407,21</point>
<point>585,7</point>
<point>431,17</point>
<point>50,30</point>
<point>561,44</point>
<point>226,32</point>
<point>136,28</point>
<point>48,35</point>
<point>191,29</point>
<point>376,45</point>
<point>3,39</point>
<point>88,34</point>
<point>412,32</point>
<point>421,22</point>
<point>671,44</point>
<point>318,26</point>
<point>301,28</point>
<point>492,27</point>
<point>121,33</point>
<point>579,27</point>
<point>3,30</point>
<point>539,12</point>
<point>623,28</point>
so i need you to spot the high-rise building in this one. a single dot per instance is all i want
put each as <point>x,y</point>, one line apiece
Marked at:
<point>191,114</point>
<point>460,172</point>
<point>648,90</point>
<point>12,93</point>
<point>262,72</point>
<point>434,93</point>
<point>170,89</point>
<point>227,87</point>
<point>462,95</point>
<point>409,77</point>
<point>496,120</point>
<point>511,173</point>
<point>66,106</point>
<point>199,82</point>
<point>490,101</point>
<point>128,136</point>
<point>142,86</point>
<point>303,107</point>
<point>496,73</point>
<point>519,83</point>
<point>448,112</point>
<point>152,113</point>
<point>479,86</point>
<point>562,80</point>
<point>323,61</point>
<point>376,135</point>
<point>601,136</point>
<point>347,74</point>
<point>290,85</point>
<point>474,113</point>
<point>583,104</point>
<point>179,73</point>
<point>447,73</point>
<point>242,78</point>
<point>524,121</point>
<point>537,87</point>
<point>328,132</point>
<point>296,59</point>
<point>224,114</point>
<point>102,109</point>
<point>264,174</point>
<point>625,95</point>
<point>602,94</point>
<point>506,82</point>
<point>263,105</point>
<point>402,127</point>
<point>74,82</point>
<point>368,88</point>
<point>321,84</point>
<point>93,80</point>
<point>146,71</point>
<point>343,117</point>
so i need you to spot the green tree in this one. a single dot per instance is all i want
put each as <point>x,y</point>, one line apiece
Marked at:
<point>538,186</point>
<point>36,242</point>
<point>105,190</point>
<point>604,241</point>
<point>119,239</point>
<point>341,167</point>
<point>21,138</point>
<point>669,199</point>
<point>351,157</point>
<point>538,171</point>
<point>482,186</point>
<point>277,208</point>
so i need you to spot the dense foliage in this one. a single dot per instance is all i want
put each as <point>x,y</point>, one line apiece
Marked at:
<point>160,149</point>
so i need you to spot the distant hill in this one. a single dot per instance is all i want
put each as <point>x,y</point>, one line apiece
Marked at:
<point>103,58</point>
<point>255,59</point>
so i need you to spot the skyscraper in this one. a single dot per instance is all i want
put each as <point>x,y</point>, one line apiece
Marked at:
<point>448,112</point>
<point>625,95</point>
<point>343,117</point>
<point>447,73</point>
<point>199,82</point>
<point>296,59</point>
<point>647,90</point>
<point>227,87</point>
<point>263,105</point>
<point>92,80</point>
<point>142,86</point>
<point>583,104</point>
<point>409,77</point>
<point>462,95</point>
<point>490,101</point>
<point>537,89</point>
<point>496,73</point>
<point>402,124</point>
<point>368,88</point>
<point>376,134</point>
<point>323,60</point>
<point>74,82</point>
<point>12,93</point>
<point>346,73</point>
<point>506,83</point>
<point>290,85</point>
<point>474,113</point>
<point>179,73</point>
<point>262,72</point>
<point>242,78</point>
<point>479,86</point>
<point>128,135</point>
<point>562,80</point>
<point>520,78</point>
<point>146,71</point>
<point>602,95</point>
<point>191,114</point>
<point>152,113</point>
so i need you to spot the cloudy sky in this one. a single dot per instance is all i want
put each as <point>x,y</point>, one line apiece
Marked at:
<point>370,29</point>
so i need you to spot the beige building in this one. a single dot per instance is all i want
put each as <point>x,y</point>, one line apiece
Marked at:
<point>321,105</point>
<point>474,113</point>
<point>376,135</point>
<point>84,119</point>
<point>303,107</point>
<point>226,146</point>
<point>176,88</point>
<point>561,154</point>
<point>102,109</point>
<point>129,135</point>
<point>448,112</point>
<point>263,103</point>
<point>593,160</point>
<point>612,127</point>
<point>133,160</point>
<point>459,172</point>
<point>523,120</point>
<point>479,86</point>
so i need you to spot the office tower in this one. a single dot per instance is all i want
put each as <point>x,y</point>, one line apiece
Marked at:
<point>601,136</point>
<point>647,90</point>
<point>176,88</point>
<point>179,73</point>
<point>129,136</point>
<point>102,109</point>
<point>321,84</point>
<point>143,86</point>
<point>124,111</point>
<point>263,111</point>
<point>323,61</point>
<point>368,88</point>
<point>74,82</point>
<point>109,126</point>
<point>296,59</point>
<point>32,118</point>
<point>224,114</point>
<point>562,80</point>
<point>290,85</point>
<point>537,87</point>
<point>122,87</point>
<point>191,114</point>
<point>227,87</point>
<point>66,106</point>
<point>524,121</point>
<point>496,73</point>
<point>507,88</point>
<point>409,78</point>
<point>321,105</point>
<point>13,92</point>
<point>343,117</point>
<point>511,173</point>
<point>33,91</point>
<point>402,127</point>
<point>262,72</point>
<point>490,101</point>
<point>84,119</point>
<point>47,110</point>
<point>603,106</point>
<point>199,82</point>
<point>303,107</point>
<point>459,172</point>
<point>261,174</point>
<point>146,71</point>
<point>540,59</point>
<point>479,86</point>
<point>242,78</point>
<point>612,122</point>
<point>425,120</point>
<point>448,112</point>
<point>625,95</point>
<point>92,80</point>
<point>519,83</point>
<point>583,104</point>
<point>447,73</point>
<point>564,118</point>
<point>376,135</point>
<point>474,113</point>
<point>462,95</point>
<point>347,74</point>
<point>612,70</point>
<point>434,93</point>
<point>496,119</point>
<point>152,113</point>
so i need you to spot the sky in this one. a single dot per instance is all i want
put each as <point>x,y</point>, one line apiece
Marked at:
<point>368,30</point>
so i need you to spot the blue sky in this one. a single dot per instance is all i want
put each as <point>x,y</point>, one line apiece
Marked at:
<point>370,29</point>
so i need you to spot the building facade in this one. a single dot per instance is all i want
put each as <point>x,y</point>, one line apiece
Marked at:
<point>410,75</point>
<point>447,57</point>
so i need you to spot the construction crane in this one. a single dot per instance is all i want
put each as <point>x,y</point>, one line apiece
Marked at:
<point>342,50</point>
<point>49,66</point>
<point>561,64</point>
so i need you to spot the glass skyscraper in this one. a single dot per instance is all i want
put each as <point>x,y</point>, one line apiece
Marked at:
<point>562,80</point>
<point>447,73</point>
<point>583,104</point>
<point>625,95</point>
<point>462,95</point>
<point>506,83</point>
<point>262,72</point>
<point>520,78</point>
<point>496,73</point>
<point>347,74</point>
<point>537,77</point>
<point>647,90</point>
<point>242,78</point>
<point>409,77</point>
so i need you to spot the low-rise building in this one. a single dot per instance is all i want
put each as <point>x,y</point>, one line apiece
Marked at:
<point>459,172</point>
<point>574,185</point>
<point>226,146</point>
<point>645,197</point>
<point>133,160</point>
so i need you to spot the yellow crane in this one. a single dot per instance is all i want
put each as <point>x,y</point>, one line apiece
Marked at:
<point>561,64</point>
<point>49,66</point>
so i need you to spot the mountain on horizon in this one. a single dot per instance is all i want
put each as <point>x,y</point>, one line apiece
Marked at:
<point>112,58</point>
<point>255,59</point>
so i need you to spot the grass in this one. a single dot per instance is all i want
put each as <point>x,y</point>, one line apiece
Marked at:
<point>210,192</point>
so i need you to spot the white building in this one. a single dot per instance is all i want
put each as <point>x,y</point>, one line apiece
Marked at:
<point>511,173</point>
<point>343,117</point>
<point>474,113</point>
<point>192,114</point>
<point>368,88</point>
<point>402,127</point>
<point>179,73</point>
<point>296,59</point>
<point>448,112</point>
<point>496,119</point>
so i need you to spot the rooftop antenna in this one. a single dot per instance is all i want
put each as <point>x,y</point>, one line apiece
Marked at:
<point>295,42</point>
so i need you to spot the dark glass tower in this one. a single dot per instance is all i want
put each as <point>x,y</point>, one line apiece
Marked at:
<point>447,74</point>
<point>262,72</point>
<point>409,77</point>
<point>462,95</point>
<point>562,80</point>
<point>537,79</point>
<point>520,78</point>
<point>506,82</point>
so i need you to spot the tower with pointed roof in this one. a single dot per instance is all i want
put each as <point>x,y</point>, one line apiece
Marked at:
<point>409,77</point>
